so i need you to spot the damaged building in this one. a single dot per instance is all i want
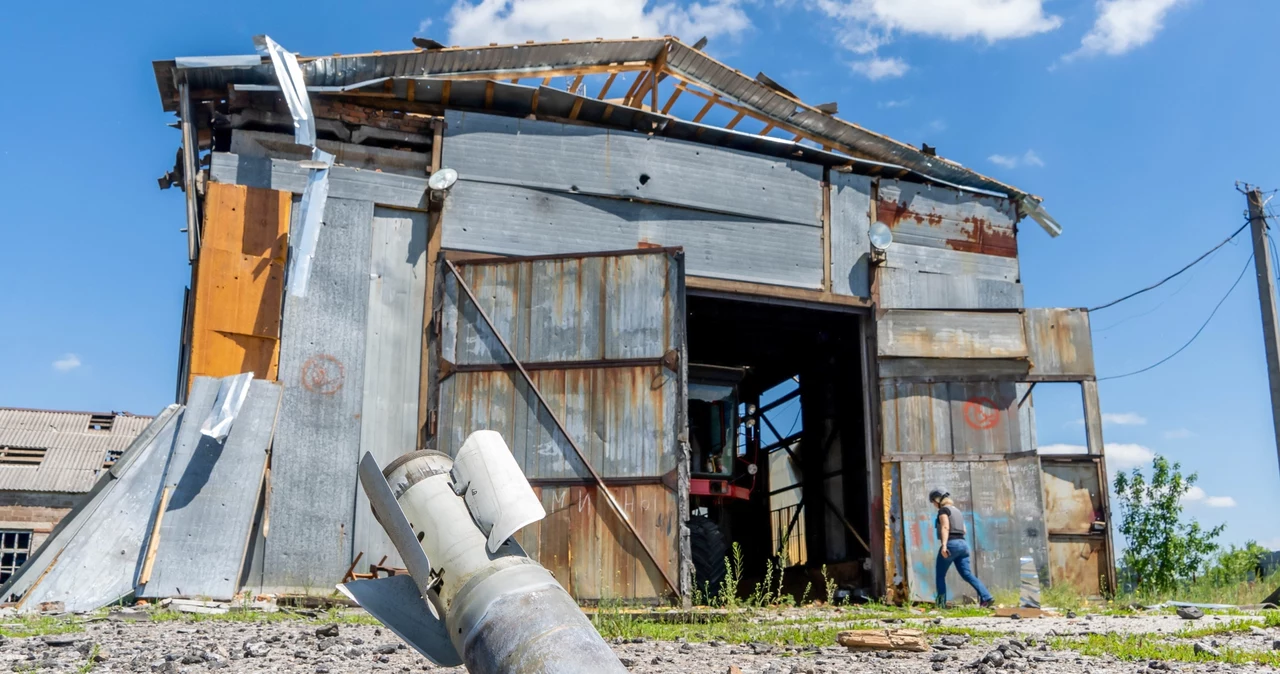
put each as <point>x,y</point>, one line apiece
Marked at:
<point>626,257</point>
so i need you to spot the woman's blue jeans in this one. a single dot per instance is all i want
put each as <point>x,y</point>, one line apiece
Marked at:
<point>958,551</point>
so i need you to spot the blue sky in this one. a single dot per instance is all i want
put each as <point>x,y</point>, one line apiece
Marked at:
<point>1132,118</point>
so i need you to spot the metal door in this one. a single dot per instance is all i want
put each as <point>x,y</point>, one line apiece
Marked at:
<point>601,336</point>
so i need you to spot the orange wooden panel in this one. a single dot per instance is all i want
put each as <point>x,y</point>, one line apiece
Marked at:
<point>239,282</point>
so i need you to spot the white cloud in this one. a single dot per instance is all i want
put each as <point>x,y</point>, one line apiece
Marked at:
<point>894,104</point>
<point>1124,419</point>
<point>1178,434</point>
<point>864,26</point>
<point>423,26</point>
<point>876,68</point>
<point>67,363</point>
<point>1198,495</point>
<point>1124,25</point>
<point>515,21</point>
<point>1028,158</point>
<point>1273,544</point>
<point>1120,456</point>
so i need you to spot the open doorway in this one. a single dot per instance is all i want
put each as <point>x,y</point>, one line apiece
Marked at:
<point>778,435</point>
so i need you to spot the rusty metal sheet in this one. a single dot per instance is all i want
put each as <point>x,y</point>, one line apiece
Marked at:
<point>984,418</point>
<point>907,333</point>
<point>1072,496</point>
<point>952,369</point>
<point>1059,342</point>
<point>591,553</point>
<point>902,289</point>
<point>850,241</point>
<point>916,418</point>
<point>1078,562</point>
<point>1001,510</point>
<point>937,217</point>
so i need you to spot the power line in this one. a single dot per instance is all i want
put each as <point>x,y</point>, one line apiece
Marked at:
<point>1185,284</point>
<point>1174,274</point>
<point>1193,337</point>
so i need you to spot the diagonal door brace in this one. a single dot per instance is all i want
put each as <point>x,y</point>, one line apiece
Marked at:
<point>608,495</point>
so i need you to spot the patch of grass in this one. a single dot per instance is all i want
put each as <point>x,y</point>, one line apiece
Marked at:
<point>22,626</point>
<point>1268,619</point>
<point>1135,647</point>
<point>1063,596</point>
<point>92,660</point>
<point>326,617</point>
<point>1206,591</point>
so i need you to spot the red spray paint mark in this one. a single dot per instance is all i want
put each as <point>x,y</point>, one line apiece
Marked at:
<point>323,374</point>
<point>981,413</point>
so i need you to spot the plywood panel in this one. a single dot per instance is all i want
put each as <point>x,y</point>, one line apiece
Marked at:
<point>239,282</point>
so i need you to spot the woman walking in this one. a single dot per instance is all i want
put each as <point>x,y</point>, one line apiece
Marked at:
<point>954,549</point>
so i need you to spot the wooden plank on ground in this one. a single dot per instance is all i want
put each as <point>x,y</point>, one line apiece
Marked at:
<point>884,640</point>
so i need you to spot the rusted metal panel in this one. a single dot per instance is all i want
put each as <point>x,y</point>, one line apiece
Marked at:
<point>850,243</point>
<point>916,418</point>
<point>984,418</point>
<point>1079,562</point>
<point>598,335</point>
<point>1029,512</point>
<point>906,333</point>
<point>591,553</point>
<point>1072,495</point>
<point>1059,342</point>
<point>937,217</point>
<point>904,289</point>
<point>952,369</point>
<point>1001,511</point>
<point>894,550</point>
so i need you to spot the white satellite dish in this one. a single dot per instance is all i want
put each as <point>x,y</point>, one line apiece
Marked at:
<point>881,236</point>
<point>443,179</point>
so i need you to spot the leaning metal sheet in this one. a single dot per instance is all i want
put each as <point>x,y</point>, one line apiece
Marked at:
<point>73,522</point>
<point>206,526</point>
<point>100,563</point>
<point>393,350</point>
<point>316,449</point>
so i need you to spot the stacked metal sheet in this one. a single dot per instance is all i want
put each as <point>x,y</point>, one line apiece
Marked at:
<point>173,517</point>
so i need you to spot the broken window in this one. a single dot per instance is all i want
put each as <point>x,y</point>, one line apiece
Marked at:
<point>15,546</point>
<point>22,456</point>
<point>101,422</point>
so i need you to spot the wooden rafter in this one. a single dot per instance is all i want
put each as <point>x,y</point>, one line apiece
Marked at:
<point>577,81</point>
<point>604,90</point>
<point>711,103</point>
<point>674,95</point>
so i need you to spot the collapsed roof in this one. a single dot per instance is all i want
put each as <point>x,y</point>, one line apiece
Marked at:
<point>488,79</point>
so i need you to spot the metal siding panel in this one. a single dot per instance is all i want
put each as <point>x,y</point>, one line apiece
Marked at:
<point>916,418</point>
<point>620,164</point>
<point>903,289</point>
<point>984,418</point>
<point>638,284</point>
<point>318,440</point>
<point>920,539</point>
<point>100,563</point>
<point>387,189</point>
<point>206,526</point>
<point>995,539</point>
<point>513,220</point>
<point>1078,563</point>
<point>952,368</point>
<point>942,217</point>
<point>393,354</point>
<point>1028,496</point>
<point>1060,342</point>
<point>951,334</point>
<point>926,260</point>
<point>565,303</point>
<point>281,146</point>
<point>1072,497</point>
<point>850,245</point>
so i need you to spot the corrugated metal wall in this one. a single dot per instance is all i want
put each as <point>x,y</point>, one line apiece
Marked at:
<point>601,337</point>
<point>535,188</point>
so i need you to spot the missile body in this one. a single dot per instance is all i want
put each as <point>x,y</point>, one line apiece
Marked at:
<point>472,595</point>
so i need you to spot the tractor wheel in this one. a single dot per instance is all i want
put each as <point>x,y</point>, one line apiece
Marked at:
<point>709,549</point>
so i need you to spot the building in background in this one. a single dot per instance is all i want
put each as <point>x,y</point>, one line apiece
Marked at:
<point>624,256</point>
<point>48,461</point>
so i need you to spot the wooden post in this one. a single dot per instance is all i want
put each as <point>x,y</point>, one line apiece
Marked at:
<point>433,251</point>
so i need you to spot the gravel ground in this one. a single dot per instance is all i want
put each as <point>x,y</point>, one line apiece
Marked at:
<point>138,645</point>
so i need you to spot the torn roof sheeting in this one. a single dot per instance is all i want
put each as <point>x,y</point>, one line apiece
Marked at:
<point>506,62</point>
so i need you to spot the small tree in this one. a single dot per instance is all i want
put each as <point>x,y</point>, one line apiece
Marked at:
<point>1162,550</point>
<point>1236,565</point>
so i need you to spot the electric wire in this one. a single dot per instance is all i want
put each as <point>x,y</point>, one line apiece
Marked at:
<point>1190,279</point>
<point>1197,334</point>
<point>1174,274</point>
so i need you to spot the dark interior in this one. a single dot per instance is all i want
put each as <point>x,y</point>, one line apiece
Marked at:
<point>821,350</point>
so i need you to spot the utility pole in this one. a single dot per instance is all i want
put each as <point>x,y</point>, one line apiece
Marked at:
<point>1267,298</point>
